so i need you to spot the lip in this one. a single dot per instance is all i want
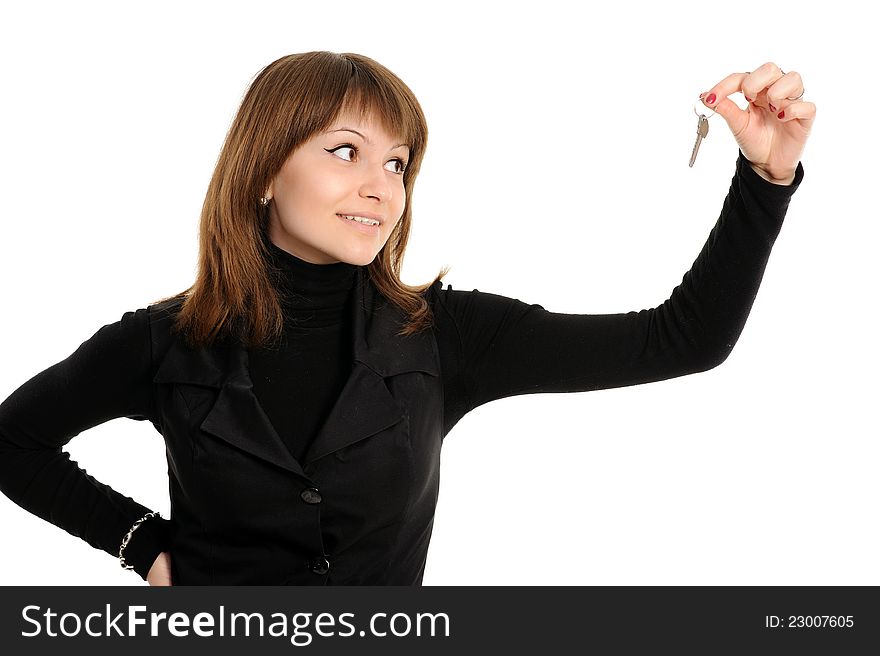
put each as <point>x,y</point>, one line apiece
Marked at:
<point>368,229</point>
<point>366,215</point>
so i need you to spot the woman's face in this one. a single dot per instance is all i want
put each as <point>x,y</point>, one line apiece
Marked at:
<point>339,172</point>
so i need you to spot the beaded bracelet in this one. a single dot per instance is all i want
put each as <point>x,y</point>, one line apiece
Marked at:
<point>127,537</point>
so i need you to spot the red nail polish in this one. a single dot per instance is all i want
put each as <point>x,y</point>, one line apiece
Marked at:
<point>711,98</point>
<point>781,114</point>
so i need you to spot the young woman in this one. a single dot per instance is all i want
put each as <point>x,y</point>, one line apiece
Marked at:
<point>303,391</point>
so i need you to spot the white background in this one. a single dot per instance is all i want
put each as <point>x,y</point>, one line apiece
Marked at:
<point>556,173</point>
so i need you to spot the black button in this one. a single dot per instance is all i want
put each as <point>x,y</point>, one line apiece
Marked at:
<point>310,495</point>
<point>319,565</point>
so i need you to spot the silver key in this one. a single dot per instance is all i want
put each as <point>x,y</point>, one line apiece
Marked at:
<point>702,131</point>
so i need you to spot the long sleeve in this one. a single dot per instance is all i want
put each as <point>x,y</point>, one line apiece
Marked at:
<point>493,347</point>
<point>107,376</point>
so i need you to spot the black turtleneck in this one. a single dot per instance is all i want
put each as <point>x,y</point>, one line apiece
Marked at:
<point>298,381</point>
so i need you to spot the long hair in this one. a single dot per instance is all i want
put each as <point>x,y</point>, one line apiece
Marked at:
<point>288,102</point>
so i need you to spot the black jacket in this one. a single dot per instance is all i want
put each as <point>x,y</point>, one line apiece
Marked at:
<point>246,512</point>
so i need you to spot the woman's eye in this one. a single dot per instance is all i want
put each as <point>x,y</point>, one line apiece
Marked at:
<point>344,146</point>
<point>349,147</point>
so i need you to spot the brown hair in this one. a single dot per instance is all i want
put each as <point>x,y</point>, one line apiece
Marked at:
<point>290,100</point>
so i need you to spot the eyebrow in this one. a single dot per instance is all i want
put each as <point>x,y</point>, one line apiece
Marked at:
<point>364,138</point>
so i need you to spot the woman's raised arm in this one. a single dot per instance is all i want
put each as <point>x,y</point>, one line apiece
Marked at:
<point>493,346</point>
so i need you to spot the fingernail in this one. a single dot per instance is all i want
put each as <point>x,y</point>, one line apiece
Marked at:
<point>711,98</point>
<point>772,108</point>
<point>781,114</point>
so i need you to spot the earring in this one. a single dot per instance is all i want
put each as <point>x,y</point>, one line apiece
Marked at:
<point>264,201</point>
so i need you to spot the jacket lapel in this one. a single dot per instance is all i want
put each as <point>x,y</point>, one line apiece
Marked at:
<point>235,415</point>
<point>364,407</point>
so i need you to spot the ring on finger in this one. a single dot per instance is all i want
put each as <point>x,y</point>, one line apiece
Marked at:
<point>802,91</point>
<point>791,99</point>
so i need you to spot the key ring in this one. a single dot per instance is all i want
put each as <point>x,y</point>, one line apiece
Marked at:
<point>704,108</point>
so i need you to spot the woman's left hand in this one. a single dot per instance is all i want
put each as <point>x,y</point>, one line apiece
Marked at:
<point>160,572</point>
<point>773,129</point>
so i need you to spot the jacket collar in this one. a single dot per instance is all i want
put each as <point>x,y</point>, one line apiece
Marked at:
<point>364,407</point>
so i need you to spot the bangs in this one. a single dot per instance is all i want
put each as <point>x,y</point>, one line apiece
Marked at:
<point>391,111</point>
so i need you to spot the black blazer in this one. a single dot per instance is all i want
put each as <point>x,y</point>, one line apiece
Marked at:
<point>358,510</point>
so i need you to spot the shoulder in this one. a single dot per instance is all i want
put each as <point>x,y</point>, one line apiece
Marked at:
<point>161,316</point>
<point>128,340</point>
<point>164,310</point>
<point>475,305</point>
<point>125,334</point>
<point>433,291</point>
<point>437,299</point>
<point>115,362</point>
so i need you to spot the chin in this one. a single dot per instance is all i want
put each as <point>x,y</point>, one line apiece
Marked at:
<point>359,260</point>
<point>359,257</point>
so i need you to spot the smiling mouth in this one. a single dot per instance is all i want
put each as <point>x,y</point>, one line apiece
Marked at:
<point>360,219</point>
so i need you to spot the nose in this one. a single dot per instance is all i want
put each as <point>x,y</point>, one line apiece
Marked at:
<point>376,184</point>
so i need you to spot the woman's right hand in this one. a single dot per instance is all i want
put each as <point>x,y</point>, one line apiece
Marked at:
<point>160,572</point>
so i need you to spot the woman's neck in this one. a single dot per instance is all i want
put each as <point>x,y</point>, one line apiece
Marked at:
<point>311,294</point>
